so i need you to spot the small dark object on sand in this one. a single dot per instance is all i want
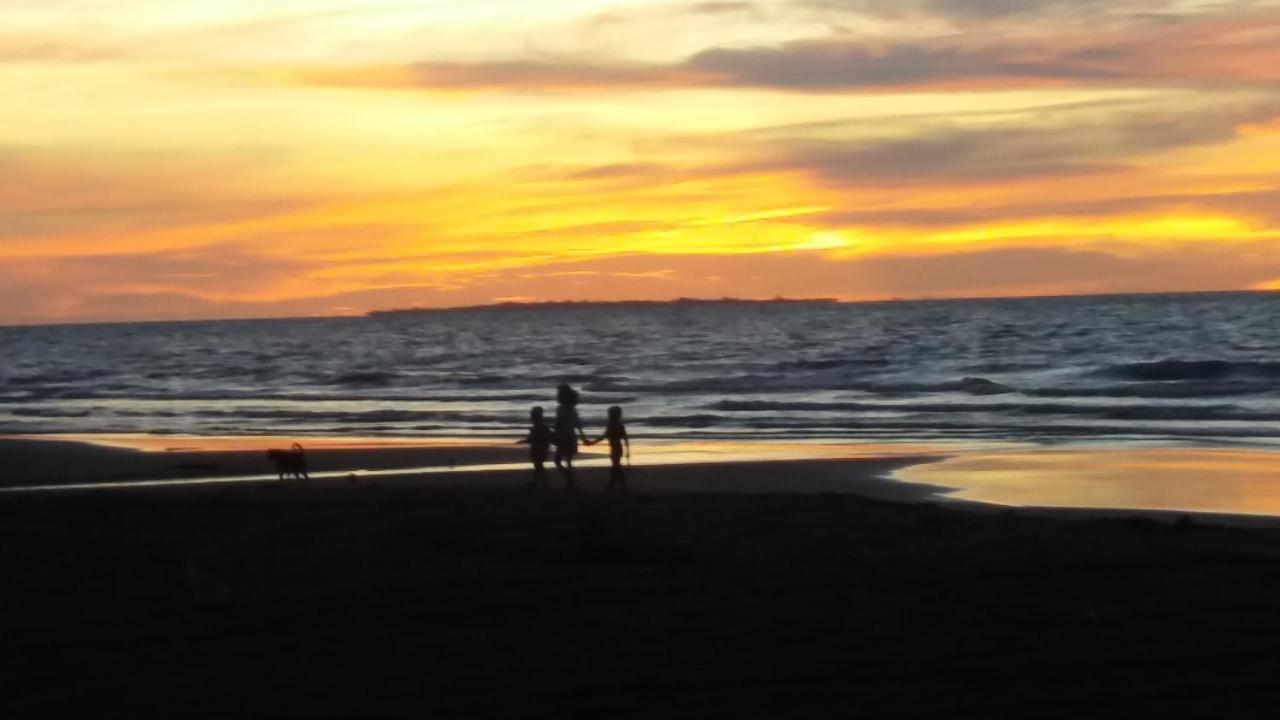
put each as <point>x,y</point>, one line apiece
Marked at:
<point>290,462</point>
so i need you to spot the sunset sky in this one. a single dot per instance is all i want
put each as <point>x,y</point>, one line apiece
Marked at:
<point>250,158</point>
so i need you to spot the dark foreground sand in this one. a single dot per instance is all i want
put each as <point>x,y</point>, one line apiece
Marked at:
<point>428,601</point>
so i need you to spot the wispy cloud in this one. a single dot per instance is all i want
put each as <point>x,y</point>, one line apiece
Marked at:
<point>1052,143</point>
<point>15,49</point>
<point>113,193</point>
<point>843,65</point>
<point>1260,206</point>
<point>1244,48</point>
<point>515,75</point>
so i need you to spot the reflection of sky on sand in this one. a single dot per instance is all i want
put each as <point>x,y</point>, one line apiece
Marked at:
<point>1206,480</point>
<point>1226,480</point>
<point>433,460</point>
<point>648,451</point>
<point>719,451</point>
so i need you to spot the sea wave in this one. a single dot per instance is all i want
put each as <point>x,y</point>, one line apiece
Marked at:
<point>860,364</point>
<point>1191,370</point>
<point>365,378</point>
<point>1014,408</point>
<point>545,397</point>
<point>1047,370</point>
<point>1156,391</point>
<point>968,385</point>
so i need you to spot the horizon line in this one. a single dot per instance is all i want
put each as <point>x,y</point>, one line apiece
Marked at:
<point>536,304</point>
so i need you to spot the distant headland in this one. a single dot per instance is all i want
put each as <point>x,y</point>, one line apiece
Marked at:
<point>586,304</point>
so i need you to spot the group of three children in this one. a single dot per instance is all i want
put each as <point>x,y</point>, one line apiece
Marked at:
<point>564,436</point>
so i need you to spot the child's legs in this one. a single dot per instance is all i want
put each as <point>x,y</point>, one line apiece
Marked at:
<point>564,461</point>
<point>616,474</point>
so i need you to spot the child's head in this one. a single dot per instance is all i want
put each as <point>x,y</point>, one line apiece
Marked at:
<point>615,413</point>
<point>566,395</point>
<point>535,413</point>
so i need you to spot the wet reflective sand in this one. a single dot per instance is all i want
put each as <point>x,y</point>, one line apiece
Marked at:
<point>1214,480</point>
<point>1240,481</point>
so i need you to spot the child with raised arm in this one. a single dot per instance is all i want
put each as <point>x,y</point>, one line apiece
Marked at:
<point>616,433</point>
<point>539,442</point>
<point>567,431</point>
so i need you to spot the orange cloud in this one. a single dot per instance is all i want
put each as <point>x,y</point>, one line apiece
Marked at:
<point>1012,271</point>
<point>514,75</point>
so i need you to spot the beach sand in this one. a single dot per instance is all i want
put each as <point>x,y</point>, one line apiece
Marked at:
<point>114,463</point>
<point>468,596</point>
<point>100,459</point>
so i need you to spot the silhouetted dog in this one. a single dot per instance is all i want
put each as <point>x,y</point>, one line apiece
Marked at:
<point>290,462</point>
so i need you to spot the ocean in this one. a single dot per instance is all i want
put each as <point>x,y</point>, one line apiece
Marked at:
<point>1164,369</point>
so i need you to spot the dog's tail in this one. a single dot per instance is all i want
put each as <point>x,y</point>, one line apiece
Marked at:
<point>297,447</point>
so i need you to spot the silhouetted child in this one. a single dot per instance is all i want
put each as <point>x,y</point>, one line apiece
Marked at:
<point>539,442</point>
<point>567,431</point>
<point>616,433</point>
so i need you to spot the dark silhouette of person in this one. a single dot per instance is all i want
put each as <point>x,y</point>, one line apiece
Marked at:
<point>568,429</point>
<point>616,433</point>
<point>539,442</point>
